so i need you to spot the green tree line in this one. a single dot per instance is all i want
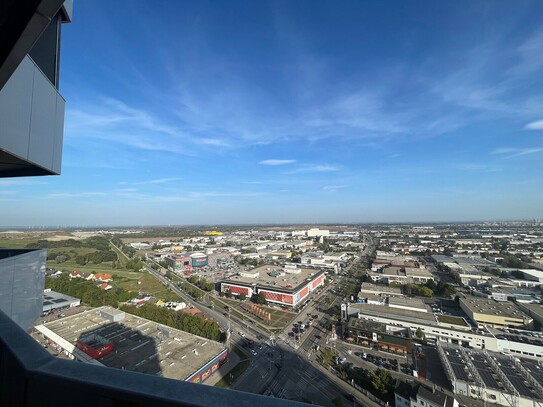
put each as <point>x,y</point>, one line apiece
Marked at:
<point>179,320</point>
<point>87,291</point>
<point>201,283</point>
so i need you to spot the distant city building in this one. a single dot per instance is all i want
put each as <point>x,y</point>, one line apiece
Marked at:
<point>316,232</point>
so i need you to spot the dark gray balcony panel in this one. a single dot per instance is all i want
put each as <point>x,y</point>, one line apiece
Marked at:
<point>22,278</point>
<point>31,124</point>
<point>21,24</point>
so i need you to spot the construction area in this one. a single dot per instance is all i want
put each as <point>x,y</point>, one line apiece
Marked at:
<point>493,377</point>
<point>113,338</point>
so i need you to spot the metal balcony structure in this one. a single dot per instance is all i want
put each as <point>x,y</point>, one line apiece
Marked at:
<point>30,376</point>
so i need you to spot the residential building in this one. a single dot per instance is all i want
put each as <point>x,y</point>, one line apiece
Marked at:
<point>418,395</point>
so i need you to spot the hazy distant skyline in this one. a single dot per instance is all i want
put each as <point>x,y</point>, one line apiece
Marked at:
<point>212,112</point>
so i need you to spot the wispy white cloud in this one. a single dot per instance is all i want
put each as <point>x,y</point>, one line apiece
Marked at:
<point>214,142</point>
<point>116,122</point>
<point>63,195</point>
<point>276,162</point>
<point>535,125</point>
<point>153,181</point>
<point>313,168</point>
<point>8,193</point>
<point>220,194</point>
<point>332,188</point>
<point>21,181</point>
<point>530,55</point>
<point>517,152</point>
<point>476,167</point>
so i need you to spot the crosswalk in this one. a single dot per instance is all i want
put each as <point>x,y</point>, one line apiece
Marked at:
<point>282,386</point>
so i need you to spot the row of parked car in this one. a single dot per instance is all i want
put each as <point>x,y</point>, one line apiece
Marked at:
<point>390,363</point>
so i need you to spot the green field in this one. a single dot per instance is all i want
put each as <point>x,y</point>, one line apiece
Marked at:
<point>129,280</point>
<point>15,243</point>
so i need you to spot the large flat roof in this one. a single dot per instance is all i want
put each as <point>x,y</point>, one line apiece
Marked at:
<point>287,282</point>
<point>140,345</point>
<point>394,313</point>
<point>375,288</point>
<point>504,309</point>
<point>409,302</point>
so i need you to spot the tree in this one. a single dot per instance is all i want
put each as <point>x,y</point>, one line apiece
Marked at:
<point>242,297</point>
<point>431,285</point>
<point>382,381</point>
<point>419,333</point>
<point>260,299</point>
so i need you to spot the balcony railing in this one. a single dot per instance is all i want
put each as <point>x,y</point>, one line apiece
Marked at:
<point>30,376</point>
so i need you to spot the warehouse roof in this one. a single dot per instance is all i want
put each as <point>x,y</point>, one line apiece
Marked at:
<point>286,280</point>
<point>140,345</point>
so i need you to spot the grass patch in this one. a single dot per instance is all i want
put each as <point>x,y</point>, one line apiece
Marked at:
<point>449,319</point>
<point>236,371</point>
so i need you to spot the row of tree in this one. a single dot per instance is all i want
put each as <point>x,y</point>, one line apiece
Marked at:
<point>179,320</point>
<point>87,291</point>
<point>94,242</point>
<point>430,289</point>
<point>128,250</point>
<point>190,290</point>
<point>256,298</point>
<point>96,257</point>
<point>201,283</point>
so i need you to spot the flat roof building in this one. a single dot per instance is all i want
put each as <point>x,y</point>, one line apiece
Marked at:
<point>55,301</point>
<point>492,377</point>
<point>113,338</point>
<point>375,334</point>
<point>485,311</point>
<point>407,303</point>
<point>286,286</point>
<point>380,290</point>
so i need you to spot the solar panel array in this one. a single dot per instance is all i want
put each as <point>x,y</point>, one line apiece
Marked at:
<point>491,378</point>
<point>485,371</point>
<point>535,371</point>
<point>458,365</point>
<point>516,378</point>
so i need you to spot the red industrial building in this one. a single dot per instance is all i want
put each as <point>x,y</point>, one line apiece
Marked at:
<point>288,288</point>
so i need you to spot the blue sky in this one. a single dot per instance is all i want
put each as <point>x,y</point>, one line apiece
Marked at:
<point>295,111</point>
